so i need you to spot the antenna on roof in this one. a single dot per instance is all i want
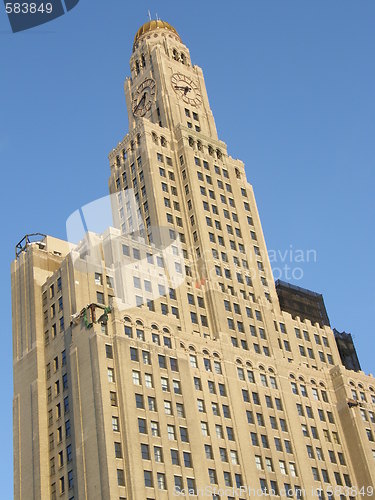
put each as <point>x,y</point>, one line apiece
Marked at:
<point>149,14</point>
<point>157,17</point>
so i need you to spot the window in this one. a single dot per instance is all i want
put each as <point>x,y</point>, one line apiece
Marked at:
<point>201,407</point>
<point>148,380</point>
<point>258,462</point>
<point>171,432</point>
<point>175,457</point>
<point>66,404</point>
<point>208,451</point>
<point>219,431</point>
<point>207,364</point>
<point>136,377</point>
<point>197,384</point>
<point>193,361</point>
<point>177,386</point>
<point>148,478</point>
<point>133,354</point>
<point>369,433</point>
<point>238,480</point>
<point>288,446</point>
<point>212,476</point>
<point>118,450</point>
<point>264,440</point>
<point>282,466</point>
<point>168,407</point>
<point>187,459</point>
<point>145,451</point>
<point>254,439</point>
<point>250,376</point>
<point>283,425</point>
<point>222,390</point>
<point>151,403</point>
<point>315,473</point>
<point>184,434</point>
<point>180,410</point>
<point>178,484</point>
<point>292,469</point>
<point>120,477</point>
<point>245,395</point>
<point>154,428</point>
<point>142,426</point>
<point>158,454</point>
<point>139,403</point>
<point>227,480</point>
<point>111,374</point>
<point>115,424</point>
<point>113,398</point>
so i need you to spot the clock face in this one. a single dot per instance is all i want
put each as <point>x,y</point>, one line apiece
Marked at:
<point>144,96</point>
<point>186,89</point>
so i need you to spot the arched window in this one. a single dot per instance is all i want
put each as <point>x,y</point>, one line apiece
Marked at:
<point>163,141</point>
<point>154,137</point>
<point>183,59</point>
<point>199,145</point>
<point>143,60</point>
<point>210,150</point>
<point>175,55</point>
<point>137,68</point>
<point>219,154</point>
<point>191,142</point>
<point>238,175</point>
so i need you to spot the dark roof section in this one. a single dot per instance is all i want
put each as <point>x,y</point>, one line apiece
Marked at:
<point>302,302</point>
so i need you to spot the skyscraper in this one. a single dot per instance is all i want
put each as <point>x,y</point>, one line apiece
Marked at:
<point>153,360</point>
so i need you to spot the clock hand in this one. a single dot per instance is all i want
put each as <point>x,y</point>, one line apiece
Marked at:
<point>142,99</point>
<point>185,89</point>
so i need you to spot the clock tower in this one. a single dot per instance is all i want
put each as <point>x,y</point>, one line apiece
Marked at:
<point>164,83</point>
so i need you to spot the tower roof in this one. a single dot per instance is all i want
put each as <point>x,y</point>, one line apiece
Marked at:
<point>152,26</point>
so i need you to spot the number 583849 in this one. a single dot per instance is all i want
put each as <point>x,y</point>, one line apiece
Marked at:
<point>28,8</point>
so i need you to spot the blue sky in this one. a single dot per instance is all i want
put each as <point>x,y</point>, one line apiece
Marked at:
<point>291,84</point>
